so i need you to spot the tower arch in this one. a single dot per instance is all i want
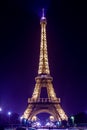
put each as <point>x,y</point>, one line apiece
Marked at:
<point>35,113</point>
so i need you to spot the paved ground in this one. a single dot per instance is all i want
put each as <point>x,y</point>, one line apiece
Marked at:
<point>80,128</point>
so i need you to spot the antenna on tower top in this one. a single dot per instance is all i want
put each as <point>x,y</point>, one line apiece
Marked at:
<point>43,12</point>
<point>43,17</point>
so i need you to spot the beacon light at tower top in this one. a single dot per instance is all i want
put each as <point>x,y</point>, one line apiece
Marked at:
<point>43,17</point>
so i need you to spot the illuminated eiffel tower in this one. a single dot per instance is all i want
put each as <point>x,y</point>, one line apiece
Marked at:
<point>51,104</point>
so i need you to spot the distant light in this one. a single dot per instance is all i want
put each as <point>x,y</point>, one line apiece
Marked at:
<point>51,118</point>
<point>58,123</point>
<point>50,124</point>
<point>47,124</point>
<point>38,124</point>
<point>34,118</point>
<point>21,117</point>
<point>72,117</point>
<point>9,113</point>
<point>0,109</point>
<point>25,121</point>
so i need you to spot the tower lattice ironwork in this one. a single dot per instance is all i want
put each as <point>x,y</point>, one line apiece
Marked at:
<point>51,104</point>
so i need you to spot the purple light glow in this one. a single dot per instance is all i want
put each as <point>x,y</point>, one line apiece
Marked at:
<point>0,109</point>
<point>43,18</point>
<point>9,113</point>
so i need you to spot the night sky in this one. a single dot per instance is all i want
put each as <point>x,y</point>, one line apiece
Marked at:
<point>19,52</point>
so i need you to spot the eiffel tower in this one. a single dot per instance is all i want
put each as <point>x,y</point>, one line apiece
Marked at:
<point>51,104</point>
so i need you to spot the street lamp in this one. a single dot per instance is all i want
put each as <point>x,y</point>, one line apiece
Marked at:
<point>21,118</point>
<point>9,114</point>
<point>72,118</point>
<point>0,109</point>
<point>0,114</point>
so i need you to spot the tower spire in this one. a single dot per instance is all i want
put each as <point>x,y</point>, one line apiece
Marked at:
<point>43,12</point>
<point>43,60</point>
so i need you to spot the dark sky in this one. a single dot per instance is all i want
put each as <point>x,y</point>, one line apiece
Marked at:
<point>19,52</point>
